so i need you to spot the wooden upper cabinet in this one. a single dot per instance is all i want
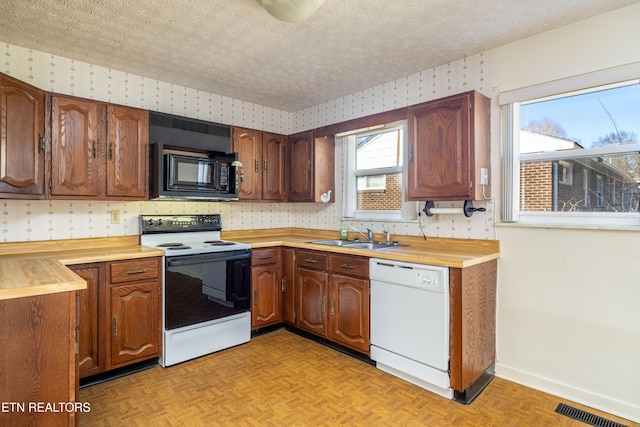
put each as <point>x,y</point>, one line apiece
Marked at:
<point>449,145</point>
<point>22,140</point>
<point>311,167</point>
<point>248,144</point>
<point>127,158</point>
<point>273,177</point>
<point>77,139</point>
<point>300,162</point>
<point>97,150</point>
<point>262,155</point>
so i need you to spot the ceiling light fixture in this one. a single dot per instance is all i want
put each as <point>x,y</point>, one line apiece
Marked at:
<point>291,10</point>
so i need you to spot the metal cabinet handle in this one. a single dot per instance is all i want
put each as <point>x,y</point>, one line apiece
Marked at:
<point>310,260</point>
<point>349,266</point>
<point>284,284</point>
<point>265,256</point>
<point>111,151</point>
<point>265,166</point>
<point>138,271</point>
<point>93,149</point>
<point>411,153</point>
<point>255,297</point>
<point>324,304</point>
<point>40,143</point>
<point>115,326</point>
<point>257,165</point>
<point>333,307</point>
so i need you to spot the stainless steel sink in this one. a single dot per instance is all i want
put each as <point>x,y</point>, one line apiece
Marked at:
<point>334,242</point>
<point>373,246</point>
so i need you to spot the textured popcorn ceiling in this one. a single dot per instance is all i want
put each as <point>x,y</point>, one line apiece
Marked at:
<point>234,48</point>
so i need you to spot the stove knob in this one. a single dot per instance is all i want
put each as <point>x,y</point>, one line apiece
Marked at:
<point>149,222</point>
<point>159,222</point>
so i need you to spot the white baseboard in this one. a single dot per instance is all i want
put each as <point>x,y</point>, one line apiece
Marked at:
<point>597,401</point>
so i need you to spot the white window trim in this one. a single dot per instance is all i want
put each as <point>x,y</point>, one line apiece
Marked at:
<point>409,210</point>
<point>626,74</point>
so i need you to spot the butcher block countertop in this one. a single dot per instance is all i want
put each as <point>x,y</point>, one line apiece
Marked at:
<point>456,253</point>
<point>39,268</point>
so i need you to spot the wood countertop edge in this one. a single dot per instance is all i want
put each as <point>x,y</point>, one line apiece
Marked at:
<point>432,256</point>
<point>39,261</point>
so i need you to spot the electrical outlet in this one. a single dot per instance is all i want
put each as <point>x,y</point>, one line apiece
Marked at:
<point>435,218</point>
<point>115,217</point>
<point>484,176</point>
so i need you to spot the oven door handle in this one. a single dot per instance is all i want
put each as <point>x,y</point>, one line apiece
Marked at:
<point>206,258</point>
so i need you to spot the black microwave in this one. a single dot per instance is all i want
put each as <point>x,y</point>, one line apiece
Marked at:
<point>180,173</point>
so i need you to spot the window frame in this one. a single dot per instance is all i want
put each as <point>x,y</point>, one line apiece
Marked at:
<point>409,211</point>
<point>510,102</point>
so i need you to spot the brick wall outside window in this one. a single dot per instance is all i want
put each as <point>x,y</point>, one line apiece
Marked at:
<point>536,186</point>
<point>383,200</point>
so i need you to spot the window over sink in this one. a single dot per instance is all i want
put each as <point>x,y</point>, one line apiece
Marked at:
<point>374,173</point>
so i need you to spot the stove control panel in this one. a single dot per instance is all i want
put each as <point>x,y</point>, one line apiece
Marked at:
<point>179,223</point>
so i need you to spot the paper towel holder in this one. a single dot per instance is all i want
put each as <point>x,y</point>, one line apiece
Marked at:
<point>467,209</point>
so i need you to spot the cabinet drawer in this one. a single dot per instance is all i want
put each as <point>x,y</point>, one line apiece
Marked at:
<point>133,270</point>
<point>350,265</point>
<point>311,259</point>
<point>265,256</point>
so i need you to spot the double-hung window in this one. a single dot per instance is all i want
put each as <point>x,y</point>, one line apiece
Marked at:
<point>573,158</point>
<point>374,173</point>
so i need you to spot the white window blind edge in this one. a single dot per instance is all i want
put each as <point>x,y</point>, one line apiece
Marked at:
<point>596,78</point>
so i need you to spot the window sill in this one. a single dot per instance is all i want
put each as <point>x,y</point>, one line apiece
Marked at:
<point>570,226</point>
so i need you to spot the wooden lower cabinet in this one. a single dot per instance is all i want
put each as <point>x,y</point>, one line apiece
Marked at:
<point>472,330</point>
<point>38,363</point>
<point>266,287</point>
<point>349,301</point>
<point>119,314</point>
<point>312,301</point>
<point>91,360</point>
<point>135,334</point>
<point>288,285</point>
<point>333,297</point>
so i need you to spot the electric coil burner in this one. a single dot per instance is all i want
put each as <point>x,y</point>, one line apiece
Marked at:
<point>206,287</point>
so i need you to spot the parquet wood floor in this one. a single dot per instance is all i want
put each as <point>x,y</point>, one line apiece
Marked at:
<point>281,379</point>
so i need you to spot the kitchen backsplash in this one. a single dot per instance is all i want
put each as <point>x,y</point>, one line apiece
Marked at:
<point>44,220</point>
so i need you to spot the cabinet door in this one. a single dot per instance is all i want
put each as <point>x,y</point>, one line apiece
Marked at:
<point>77,134</point>
<point>22,140</point>
<point>90,340</point>
<point>312,301</point>
<point>38,362</point>
<point>266,293</point>
<point>439,152</point>
<point>301,167</point>
<point>349,312</point>
<point>127,158</point>
<point>248,144</point>
<point>288,285</point>
<point>134,322</point>
<point>273,177</point>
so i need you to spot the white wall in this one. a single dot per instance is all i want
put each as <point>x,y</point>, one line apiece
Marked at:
<point>568,316</point>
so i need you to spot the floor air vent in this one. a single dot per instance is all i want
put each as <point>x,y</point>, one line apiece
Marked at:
<point>585,417</point>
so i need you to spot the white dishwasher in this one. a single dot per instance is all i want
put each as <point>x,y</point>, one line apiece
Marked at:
<point>410,322</point>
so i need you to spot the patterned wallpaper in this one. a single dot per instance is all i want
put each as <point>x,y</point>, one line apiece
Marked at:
<point>44,219</point>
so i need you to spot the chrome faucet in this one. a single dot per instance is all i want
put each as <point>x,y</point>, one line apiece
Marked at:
<point>369,234</point>
<point>388,236</point>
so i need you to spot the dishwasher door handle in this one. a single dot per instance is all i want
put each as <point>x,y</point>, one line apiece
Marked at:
<point>384,264</point>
